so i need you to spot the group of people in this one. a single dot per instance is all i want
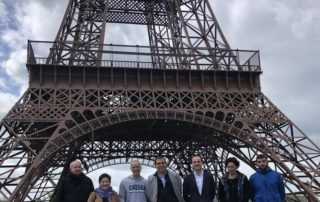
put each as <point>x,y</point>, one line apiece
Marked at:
<point>265,185</point>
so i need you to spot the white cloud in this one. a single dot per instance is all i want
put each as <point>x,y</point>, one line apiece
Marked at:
<point>288,37</point>
<point>15,66</point>
<point>307,20</point>
<point>7,102</point>
<point>4,14</point>
<point>34,20</point>
<point>2,84</point>
<point>40,22</point>
<point>23,88</point>
<point>126,34</point>
<point>13,39</point>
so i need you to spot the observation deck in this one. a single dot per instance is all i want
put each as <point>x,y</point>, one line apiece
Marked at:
<point>145,57</point>
<point>70,65</point>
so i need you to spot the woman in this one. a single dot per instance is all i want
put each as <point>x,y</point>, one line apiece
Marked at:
<point>233,186</point>
<point>104,193</point>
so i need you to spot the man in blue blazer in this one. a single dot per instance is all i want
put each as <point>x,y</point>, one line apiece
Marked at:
<point>199,185</point>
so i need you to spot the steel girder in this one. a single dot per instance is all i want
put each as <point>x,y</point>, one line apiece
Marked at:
<point>180,32</point>
<point>240,123</point>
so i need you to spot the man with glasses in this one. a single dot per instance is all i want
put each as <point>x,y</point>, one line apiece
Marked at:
<point>164,185</point>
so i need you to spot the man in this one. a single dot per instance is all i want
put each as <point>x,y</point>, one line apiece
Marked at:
<point>75,186</point>
<point>199,185</point>
<point>266,185</point>
<point>132,188</point>
<point>164,185</point>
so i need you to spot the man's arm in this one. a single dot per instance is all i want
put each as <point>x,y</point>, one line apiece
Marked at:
<point>221,191</point>
<point>149,189</point>
<point>122,192</point>
<point>179,182</point>
<point>91,185</point>
<point>186,191</point>
<point>246,189</point>
<point>59,193</point>
<point>252,187</point>
<point>213,184</point>
<point>281,188</point>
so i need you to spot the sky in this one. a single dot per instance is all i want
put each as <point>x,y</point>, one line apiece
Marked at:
<point>287,34</point>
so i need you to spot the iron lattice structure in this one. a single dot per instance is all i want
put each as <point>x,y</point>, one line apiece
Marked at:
<point>186,92</point>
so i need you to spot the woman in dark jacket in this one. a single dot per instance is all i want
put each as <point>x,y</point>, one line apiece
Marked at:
<point>233,186</point>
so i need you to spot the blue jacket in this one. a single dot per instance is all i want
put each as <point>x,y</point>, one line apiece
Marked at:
<point>267,186</point>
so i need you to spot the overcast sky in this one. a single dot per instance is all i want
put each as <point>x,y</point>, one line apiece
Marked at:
<point>287,33</point>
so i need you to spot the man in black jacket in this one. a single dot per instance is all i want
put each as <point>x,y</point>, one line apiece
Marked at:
<point>199,185</point>
<point>75,186</point>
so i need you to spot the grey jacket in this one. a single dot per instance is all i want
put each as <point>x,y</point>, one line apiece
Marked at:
<point>152,186</point>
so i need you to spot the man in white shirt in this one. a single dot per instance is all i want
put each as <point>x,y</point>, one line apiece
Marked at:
<point>199,185</point>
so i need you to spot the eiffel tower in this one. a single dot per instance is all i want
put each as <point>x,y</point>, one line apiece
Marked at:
<point>186,92</point>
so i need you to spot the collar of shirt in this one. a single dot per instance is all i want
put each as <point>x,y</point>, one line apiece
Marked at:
<point>162,178</point>
<point>195,174</point>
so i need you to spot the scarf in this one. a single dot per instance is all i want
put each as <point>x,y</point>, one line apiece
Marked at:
<point>105,193</point>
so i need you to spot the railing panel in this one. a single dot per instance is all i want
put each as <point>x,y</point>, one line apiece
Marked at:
<point>129,56</point>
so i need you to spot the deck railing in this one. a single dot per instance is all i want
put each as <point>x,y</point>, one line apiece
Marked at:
<point>134,56</point>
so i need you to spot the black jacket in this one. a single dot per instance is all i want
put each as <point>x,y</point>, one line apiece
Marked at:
<point>74,188</point>
<point>190,189</point>
<point>236,190</point>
